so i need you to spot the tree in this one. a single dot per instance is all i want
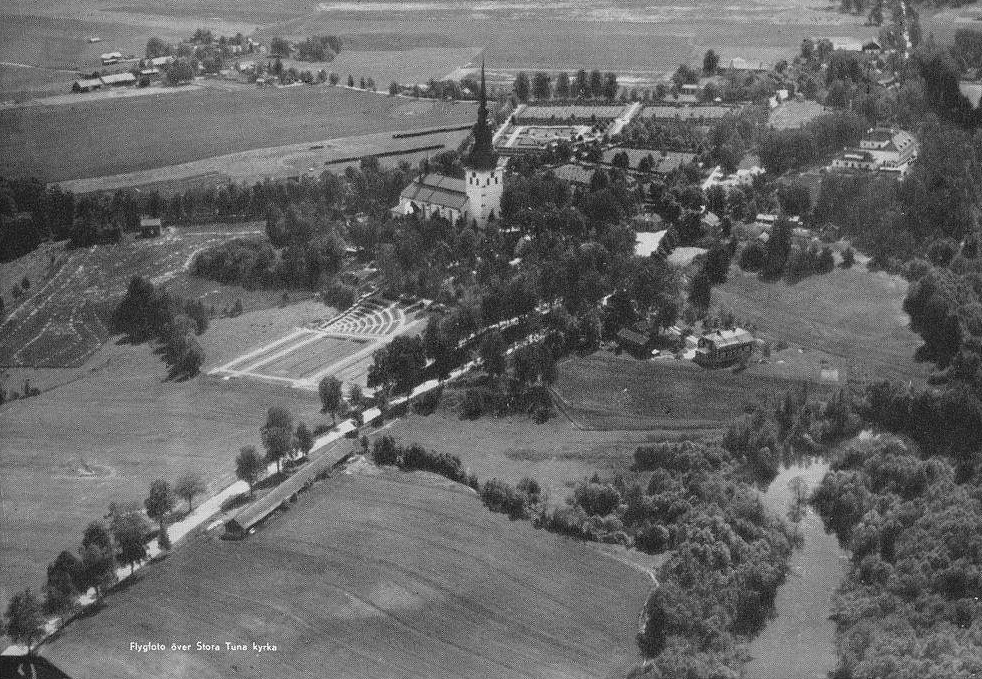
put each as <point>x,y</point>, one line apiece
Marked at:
<point>129,531</point>
<point>351,80</point>
<point>157,48</point>
<point>160,501</point>
<point>582,88</point>
<point>522,86</point>
<point>334,79</point>
<point>180,71</point>
<point>393,88</point>
<point>492,353</point>
<point>24,619</point>
<point>305,440</point>
<point>563,85</point>
<point>188,486</point>
<point>330,393</point>
<point>277,435</point>
<point>596,83</point>
<point>354,394</point>
<point>610,86</point>
<point>777,250</point>
<point>280,47</point>
<point>98,557</point>
<point>710,62</point>
<point>399,364</point>
<point>700,290</point>
<point>249,466</point>
<point>65,578</point>
<point>541,86</point>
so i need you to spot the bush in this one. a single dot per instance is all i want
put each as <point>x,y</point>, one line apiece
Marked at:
<point>848,258</point>
<point>752,257</point>
<point>427,403</point>
<point>498,496</point>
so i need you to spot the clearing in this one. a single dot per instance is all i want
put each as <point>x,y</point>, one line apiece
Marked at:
<point>851,317</point>
<point>389,575</point>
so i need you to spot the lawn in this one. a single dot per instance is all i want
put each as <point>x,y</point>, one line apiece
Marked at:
<point>121,135</point>
<point>608,392</point>
<point>854,317</point>
<point>388,575</point>
<point>123,422</point>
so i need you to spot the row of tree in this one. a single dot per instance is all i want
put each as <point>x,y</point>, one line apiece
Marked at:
<point>582,85</point>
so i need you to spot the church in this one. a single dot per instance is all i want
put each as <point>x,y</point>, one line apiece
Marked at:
<point>476,197</point>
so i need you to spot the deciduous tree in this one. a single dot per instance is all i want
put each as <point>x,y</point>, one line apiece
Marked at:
<point>249,466</point>
<point>188,486</point>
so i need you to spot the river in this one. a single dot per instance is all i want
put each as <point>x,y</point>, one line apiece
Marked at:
<point>800,642</point>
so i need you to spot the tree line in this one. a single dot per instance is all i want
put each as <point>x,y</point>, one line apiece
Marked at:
<point>581,85</point>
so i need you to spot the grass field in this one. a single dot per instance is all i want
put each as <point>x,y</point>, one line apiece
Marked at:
<point>603,391</point>
<point>138,133</point>
<point>853,317</point>
<point>556,454</point>
<point>121,419</point>
<point>382,576</point>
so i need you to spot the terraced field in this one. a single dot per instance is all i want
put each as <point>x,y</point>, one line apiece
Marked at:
<point>373,577</point>
<point>63,318</point>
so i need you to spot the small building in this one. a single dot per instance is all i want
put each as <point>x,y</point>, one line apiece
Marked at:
<point>150,226</point>
<point>95,39</point>
<point>634,341</point>
<point>740,65</point>
<point>87,85</point>
<point>110,58</point>
<point>724,347</point>
<point>119,79</point>
<point>872,47</point>
<point>881,149</point>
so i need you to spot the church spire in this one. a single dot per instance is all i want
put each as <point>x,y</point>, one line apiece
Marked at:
<point>482,155</point>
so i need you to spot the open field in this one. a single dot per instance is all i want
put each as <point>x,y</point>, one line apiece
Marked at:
<point>853,317</point>
<point>605,392</point>
<point>278,162</point>
<point>139,133</point>
<point>556,453</point>
<point>70,451</point>
<point>373,576</point>
<point>63,317</point>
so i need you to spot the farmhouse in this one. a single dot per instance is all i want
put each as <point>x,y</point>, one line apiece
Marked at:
<point>110,58</point>
<point>634,341</point>
<point>476,197</point>
<point>723,347</point>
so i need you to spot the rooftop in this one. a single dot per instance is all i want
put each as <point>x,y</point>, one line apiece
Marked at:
<point>437,189</point>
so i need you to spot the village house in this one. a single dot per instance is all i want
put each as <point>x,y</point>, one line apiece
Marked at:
<point>881,149</point>
<point>720,348</point>
<point>110,58</point>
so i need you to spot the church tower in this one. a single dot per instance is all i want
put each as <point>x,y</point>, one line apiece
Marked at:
<point>485,179</point>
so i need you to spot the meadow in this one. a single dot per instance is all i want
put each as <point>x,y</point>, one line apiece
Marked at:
<point>104,436</point>
<point>388,575</point>
<point>608,392</point>
<point>854,317</point>
<point>122,135</point>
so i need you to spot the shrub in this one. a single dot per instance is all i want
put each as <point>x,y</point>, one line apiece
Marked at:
<point>498,496</point>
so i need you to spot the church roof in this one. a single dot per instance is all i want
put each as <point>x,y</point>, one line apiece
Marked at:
<point>437,189</point>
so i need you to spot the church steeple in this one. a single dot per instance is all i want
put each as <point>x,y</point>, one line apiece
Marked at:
<point>482,155</point>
